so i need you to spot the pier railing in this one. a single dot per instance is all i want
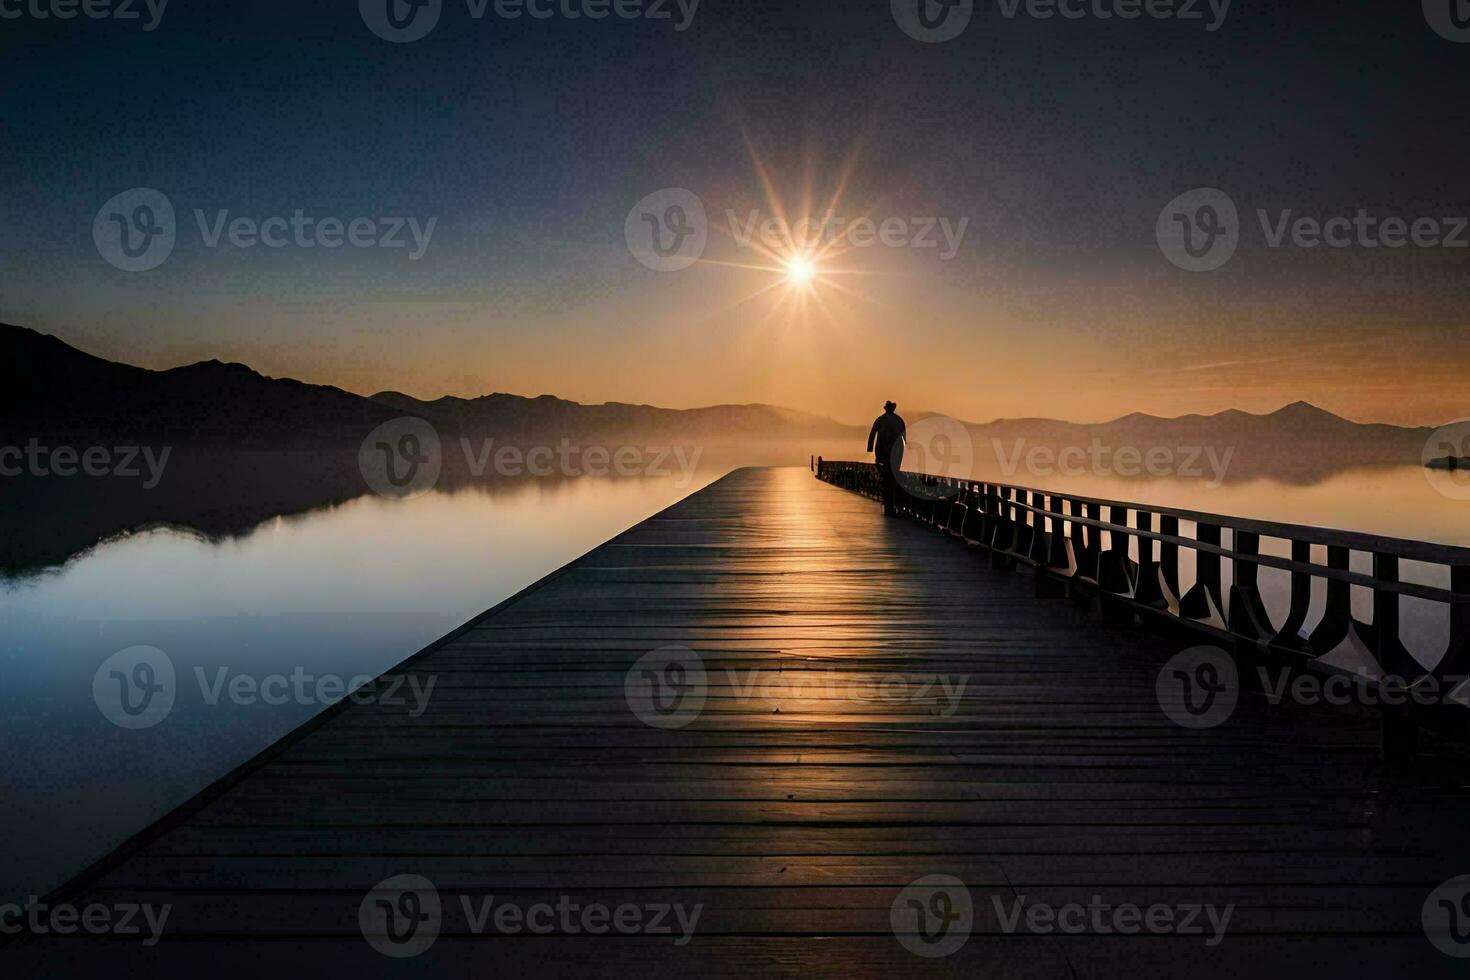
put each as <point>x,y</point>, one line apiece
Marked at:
<point>1200,574</point>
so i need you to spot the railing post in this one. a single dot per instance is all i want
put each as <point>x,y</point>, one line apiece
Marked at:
<point>1337,615</point>
<point>1004,535</point>
<point>1248,617</point>
<point>1032,525</point>
<point>1290,635</point>
<point>955,526</point>
<point>1456,659</point>
<point>1400,730</point>
<point>1203,603</point>
<point>1169,564</point>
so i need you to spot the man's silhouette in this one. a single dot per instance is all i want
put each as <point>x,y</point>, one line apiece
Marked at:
<point>886,443</point>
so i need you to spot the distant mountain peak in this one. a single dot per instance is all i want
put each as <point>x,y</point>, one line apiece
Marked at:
<point>215,366</point>
<point>1304,410</point>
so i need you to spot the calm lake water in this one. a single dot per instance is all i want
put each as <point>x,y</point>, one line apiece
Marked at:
<point>351,590</point>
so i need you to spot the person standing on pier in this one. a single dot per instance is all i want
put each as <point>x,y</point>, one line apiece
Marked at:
<point>886,443</point>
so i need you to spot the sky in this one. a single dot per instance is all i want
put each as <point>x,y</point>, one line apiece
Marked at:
<point>1023,170</point>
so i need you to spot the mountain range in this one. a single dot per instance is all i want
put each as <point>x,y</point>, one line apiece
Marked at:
<point>53,391</point>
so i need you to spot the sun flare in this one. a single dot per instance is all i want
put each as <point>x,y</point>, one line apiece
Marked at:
<point>800,271</point>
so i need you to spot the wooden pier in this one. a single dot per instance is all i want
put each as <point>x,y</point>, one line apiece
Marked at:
<point>878,704</point>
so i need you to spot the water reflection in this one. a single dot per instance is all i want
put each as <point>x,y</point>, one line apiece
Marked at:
<point>347,587</point>
<point>271,564</point>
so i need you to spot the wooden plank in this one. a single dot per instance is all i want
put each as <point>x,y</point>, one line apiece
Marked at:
<point>802,799</point>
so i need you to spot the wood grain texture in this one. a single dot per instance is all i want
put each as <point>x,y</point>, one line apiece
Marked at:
<point>829,768</point>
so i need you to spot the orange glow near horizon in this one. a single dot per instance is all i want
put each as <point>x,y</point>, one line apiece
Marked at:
<point>805,319</point>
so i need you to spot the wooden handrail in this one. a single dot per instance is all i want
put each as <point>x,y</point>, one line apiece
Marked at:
<point>1060,536</point>
<point>1426,551</point>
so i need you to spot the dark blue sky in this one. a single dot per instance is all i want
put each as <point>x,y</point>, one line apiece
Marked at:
<point>529,141</point>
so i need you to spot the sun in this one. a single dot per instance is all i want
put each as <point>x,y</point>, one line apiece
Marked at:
<point>800,271</point>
